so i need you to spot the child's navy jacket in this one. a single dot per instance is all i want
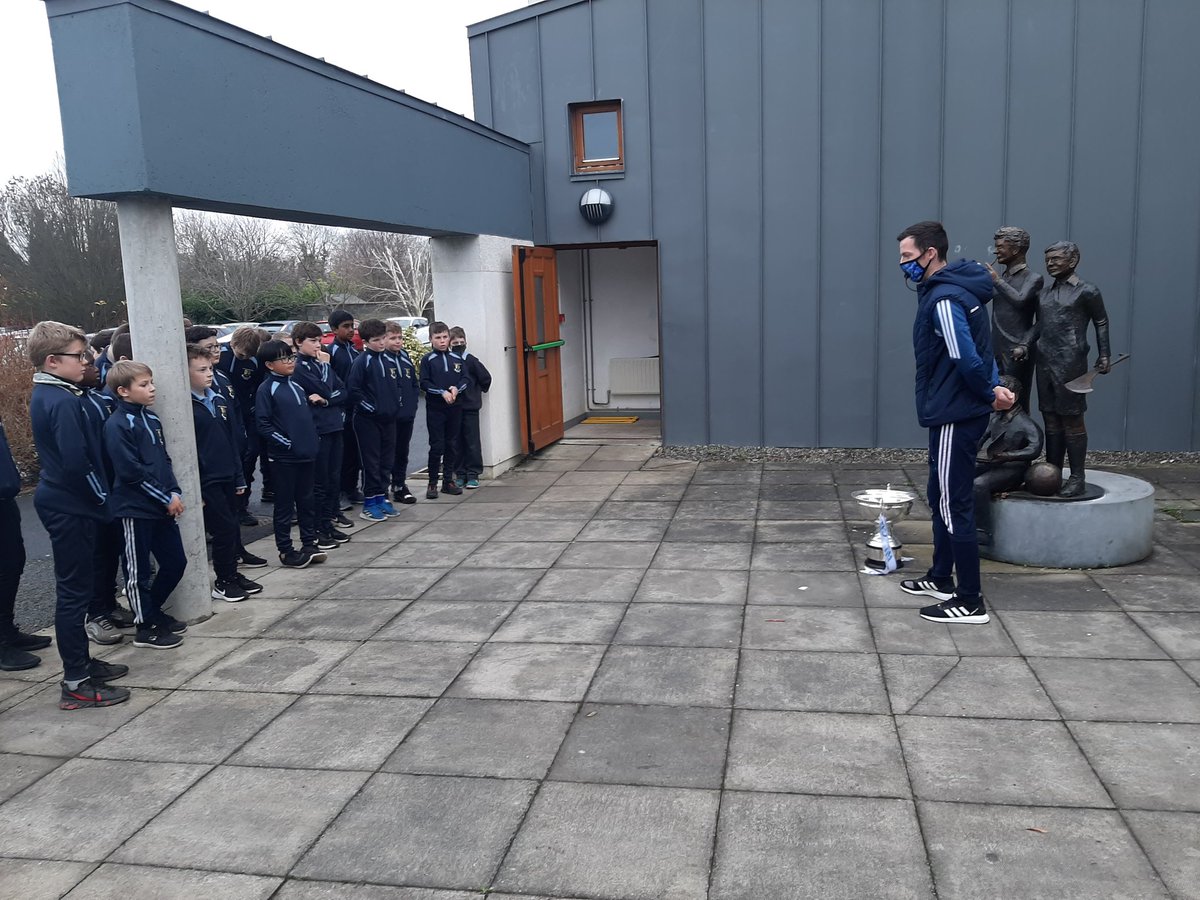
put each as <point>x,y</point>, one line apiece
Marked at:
<point>316,377</point>
<point>10,478</point>
<point>223,385</point>
<point>216,440</point>
<point>143,480</point>
<point>479,379</point>
<point>342,355</point>
<point>373,385</point>
<point>245,375</point>
<point>410,388</point>
<point>285,421</point>
<point>440,371</point>
<point>73,479</point>
<point>97,406</point>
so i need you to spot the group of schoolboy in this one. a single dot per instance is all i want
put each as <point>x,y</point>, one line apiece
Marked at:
<point>108,496</point>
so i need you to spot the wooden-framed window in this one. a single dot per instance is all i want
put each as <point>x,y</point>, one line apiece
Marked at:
<point>597,137</point>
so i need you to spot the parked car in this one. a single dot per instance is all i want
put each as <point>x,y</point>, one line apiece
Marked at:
<point>327,338</point>
<point>419,324</point>
<point>224,331</point>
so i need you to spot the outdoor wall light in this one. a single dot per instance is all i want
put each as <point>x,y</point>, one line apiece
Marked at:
<point>596,205</point>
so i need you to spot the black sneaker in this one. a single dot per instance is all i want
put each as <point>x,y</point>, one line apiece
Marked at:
<point>403,495</point>
<point>324,543</point>
<point>14,660</point>
<point>247,521</point>
<point>431,492</point>
<point>341,521</point>
<point>250,561</point>
<point>250,587</point>
<point>294,559</point>
<point>156,638</point>
<point>938,590</point>
<point>957,612</point>
<point>336,536</point>
<point>267,496</point>
<point>449,487</point>
<point>121,617</point>
<point>99,670</point>
<point>173,625</point>
<point>313,553</point>
<point>354,496</point>
<point>19,640</point>
<point>228,590</point>
<point>89,695</point>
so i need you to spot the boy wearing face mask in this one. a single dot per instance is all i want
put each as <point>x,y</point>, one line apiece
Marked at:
<point>469,456</point>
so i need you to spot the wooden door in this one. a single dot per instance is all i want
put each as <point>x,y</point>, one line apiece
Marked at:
<point>539,347</point>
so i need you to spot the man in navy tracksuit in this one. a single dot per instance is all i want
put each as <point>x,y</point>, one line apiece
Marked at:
<point>957,387</point>
<point>327,400</point>
<point>289,436</point>
<point>147,499</point>
<point>71,500</point>
<point>410,394</point>
<point>375,399</point>
<point>443,378</point>
<point>342,354</point>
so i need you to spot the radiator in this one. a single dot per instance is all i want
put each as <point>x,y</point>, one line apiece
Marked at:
<point>637,375</point>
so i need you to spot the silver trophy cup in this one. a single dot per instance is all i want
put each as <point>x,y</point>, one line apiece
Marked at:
<point>893,505</point>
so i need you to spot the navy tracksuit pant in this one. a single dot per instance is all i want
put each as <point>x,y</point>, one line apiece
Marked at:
<point>110,547</point>
<point>221,513</point>
<point>376,451</point>
<point>350,472</point>
<point>952,450</point>
<point>404,430</point>
<point>73,540</point>
<point>293,483</point>
<point>327,479</point>
<point>469,454</point>
<point>12,563</point>
<point>147,594</point>
<point>444,421</point>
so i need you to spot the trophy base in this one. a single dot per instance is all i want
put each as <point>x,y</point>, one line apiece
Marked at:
<point>875,559</point>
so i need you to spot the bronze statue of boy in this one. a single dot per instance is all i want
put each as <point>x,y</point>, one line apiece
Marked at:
<point>1014,305</point>
<point>1012,441</point>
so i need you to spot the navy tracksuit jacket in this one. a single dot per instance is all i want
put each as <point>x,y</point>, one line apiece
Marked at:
<point>441,370</point>
<point>374,388</point>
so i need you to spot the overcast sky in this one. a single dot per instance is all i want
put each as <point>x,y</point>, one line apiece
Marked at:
<point>419,46</point>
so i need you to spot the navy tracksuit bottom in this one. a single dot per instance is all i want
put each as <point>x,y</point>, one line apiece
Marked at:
<point>221,510</point>
<point>110,548</point>
<point>12,563</point>
<point>444,421</point>
<point>952,450</point>
<point>327,479</point>
<point>73,540</point>
<point>404,430</point>
<point>469,455</point>
<point>147,594</point>
<point>376,451</point>
<point>293,482</point>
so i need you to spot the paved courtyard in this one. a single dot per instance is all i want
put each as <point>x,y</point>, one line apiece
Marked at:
<point>607,675</point>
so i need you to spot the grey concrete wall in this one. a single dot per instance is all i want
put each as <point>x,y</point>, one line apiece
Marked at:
<point>774,148</point>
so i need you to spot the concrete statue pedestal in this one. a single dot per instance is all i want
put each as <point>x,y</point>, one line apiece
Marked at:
<point>1114,529</point>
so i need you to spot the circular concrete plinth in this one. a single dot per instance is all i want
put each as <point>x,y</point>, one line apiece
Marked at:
<point>1113,530</point>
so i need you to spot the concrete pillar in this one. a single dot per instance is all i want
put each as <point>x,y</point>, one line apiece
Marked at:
<point>151,265</point>
<point>472,287</point>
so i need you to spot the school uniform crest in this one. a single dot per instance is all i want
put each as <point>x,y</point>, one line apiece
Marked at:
<point>458,367</point>
<point>247,374</point>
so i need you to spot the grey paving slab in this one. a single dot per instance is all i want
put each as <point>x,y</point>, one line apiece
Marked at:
<point>272,665</point>
<point>541,530</point>
<point>681,625</point>
<point>38,727</point>
<point>971,687</point>
<point>419,830</point>
<point>578,492</point>
<point>1144,765</point>
<point>19,770</point>
<point>71,814</point>
<point>794,510</point>
<point>476,512</point>
<point>267,818</point>
<point>589,478</point>
<point>561,623</point>
<point>567,510</point>
<point>170,670</point>
<point>340,890</point>
<point>711,531</point>
<point>787,588</point>
<point>692,510</point>
<point>798,492</point>
<point>717,493</point>
<point>904,631</point>
<point>806,628</point>
<point>816,753</point>
<point>804,557</point>
<point>113,881</point>
<point>529,672</point>
<point>595,585</point>
<point>984,852</point>
<point>413,554</point>
<point>507,493</point>
<point>608,555</point>
<point>515,555</point>
<point>37,879</point>
<point>703,556</point>
<point>998,761</point>
<point>393,532</point>
<point>639,452</point>
<point>1050,591</point>
<point>613,841</point>
<point>839,848</point>
<point>488,738</point>
<point>292,584</point>
<point>1152,593</point>
<point>990,640</point>
<point>1096,635</point>
<point>242,620</point>
<point>884,590</point>
<point>787,473</point>
<point>800,532</point>
<point>398,669</point>
<point>494,585</point>
<point>610,465</point>
<point>649,493</point>
<point>1177,633</point>
<point>1169,839</point>
<point>354,555</point>
<point>407,583</point>
<point>668,746</point>
<point>659,476</point>
<point>692,586</point>
<point>1119,690</point>
<point>446,620</point>
<point>441,531</point>
<point>319,732</point>
<point>624,530</point>
<point>813,681</point>
<point>192,727</point>
<point>674,676</point>
<point>336,620</point>
<point>738,476</point>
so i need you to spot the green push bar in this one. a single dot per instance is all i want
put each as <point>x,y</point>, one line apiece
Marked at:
<point>549,345</point>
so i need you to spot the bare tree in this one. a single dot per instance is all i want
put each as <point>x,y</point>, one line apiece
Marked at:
<point>314,249</point>
<point>391,267</point>
<point>232,261</point>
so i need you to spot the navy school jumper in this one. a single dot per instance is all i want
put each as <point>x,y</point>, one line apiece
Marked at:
<point>440,371</point>
<point>375,398</point>
<point>289,436</point>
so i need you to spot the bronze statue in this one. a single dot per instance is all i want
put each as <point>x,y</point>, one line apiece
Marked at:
<point>1014,304</point>
<point>1012,441</point>
<point>1065,308</point>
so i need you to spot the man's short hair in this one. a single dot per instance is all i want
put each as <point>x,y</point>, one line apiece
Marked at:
<point>195,351</point>
<point>928,234</point>
<point>49,338</point>
<point>369,329</point>
<point>246,340</point>
<point>198,333</point>
<point>457,332</point>
<point>305,330</point>
<point>273,351</point>
<point>1018,237</point>
<point>438,328</point>
<point>338,316</point>
<point>124,373</point>
<point>121,347</point>
<point>1069,247</point>
<point>101,339</point>
<point>123,328</point>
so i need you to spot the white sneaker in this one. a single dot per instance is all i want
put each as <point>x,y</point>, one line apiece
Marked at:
<point>102,631</point>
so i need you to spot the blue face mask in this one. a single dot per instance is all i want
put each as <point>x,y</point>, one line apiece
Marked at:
<point>913,270</point>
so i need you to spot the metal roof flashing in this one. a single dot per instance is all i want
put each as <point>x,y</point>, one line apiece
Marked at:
<point>519,15</point>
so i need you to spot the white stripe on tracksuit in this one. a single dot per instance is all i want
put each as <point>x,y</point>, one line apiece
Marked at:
<point>131,571</point>
<point>945,444</point>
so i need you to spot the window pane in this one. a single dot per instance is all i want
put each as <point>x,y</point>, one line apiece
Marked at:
<point>600,136</point>
<point>539,312</point>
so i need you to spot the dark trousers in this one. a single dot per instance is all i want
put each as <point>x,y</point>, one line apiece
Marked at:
<point>221,521</point>
<point>349,456</point>
<point>110,549</point>
<point>73,541</point>
<point>469,454</point>
<point>12,563</point>
<point>443,421</point>
<point>404,430</point>
<point>147,594</point>
<point>294,493</point>
<point>376,452</point>
<point>327,479</point>
<point>952,450</point>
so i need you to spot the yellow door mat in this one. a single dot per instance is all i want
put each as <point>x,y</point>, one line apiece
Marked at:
<point>609,420</point>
